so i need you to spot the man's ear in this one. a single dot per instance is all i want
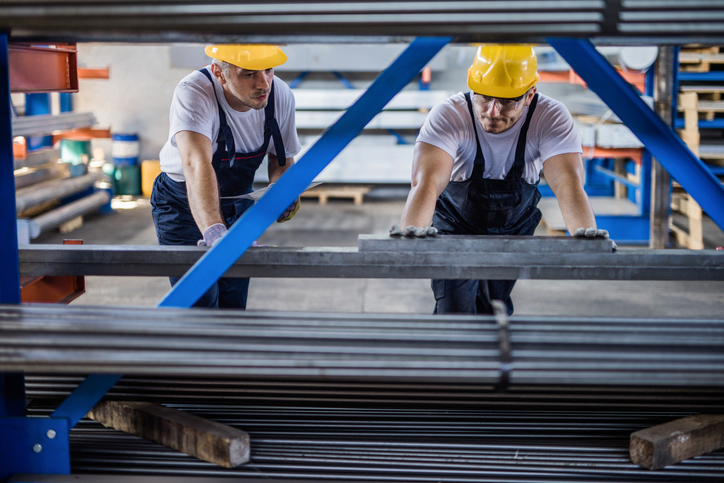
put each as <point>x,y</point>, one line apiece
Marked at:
<point>531,93</point>
<point>218,73</point>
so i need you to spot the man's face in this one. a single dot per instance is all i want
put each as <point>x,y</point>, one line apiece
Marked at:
<point>499,115</point>
<point>245,89</point>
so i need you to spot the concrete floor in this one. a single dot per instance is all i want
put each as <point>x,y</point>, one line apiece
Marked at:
<point>338,224</point>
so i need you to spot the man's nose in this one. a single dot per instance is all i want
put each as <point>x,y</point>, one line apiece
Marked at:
<point>493,109</point>
<point>263,81</point>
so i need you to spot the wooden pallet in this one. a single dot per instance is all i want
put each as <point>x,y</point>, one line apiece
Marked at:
<point>699,59</point>
<point>323,193</point>
<point>682,202</point>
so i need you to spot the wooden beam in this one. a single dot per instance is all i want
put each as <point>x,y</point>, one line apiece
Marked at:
<point>204,439</point>
<point>676,441</point>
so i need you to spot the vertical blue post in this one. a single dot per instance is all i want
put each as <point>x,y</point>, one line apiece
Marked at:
<point>12,386</point>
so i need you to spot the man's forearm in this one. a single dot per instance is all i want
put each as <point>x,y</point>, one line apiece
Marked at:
<point>275,171</point>
<point>575,208</point>
<point>420,206</point>
<point>203,194</point>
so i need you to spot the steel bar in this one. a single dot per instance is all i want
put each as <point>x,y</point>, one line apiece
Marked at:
<point>347,262</point>
<point>54,218</point>
<point>361,347</point>
<point>514,20</point>
<point>26,198</point>
<point>233,392</point>
<point>37,158</point>
<point>49,123</point>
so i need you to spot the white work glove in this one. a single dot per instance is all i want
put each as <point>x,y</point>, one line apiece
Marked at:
<point>212,235</point>
<point>593,233</point>
<point>417,231</point>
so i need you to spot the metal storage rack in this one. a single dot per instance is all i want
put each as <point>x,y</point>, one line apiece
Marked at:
<point>43,444</point>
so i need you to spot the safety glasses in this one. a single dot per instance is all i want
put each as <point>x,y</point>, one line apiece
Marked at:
<point>503,104</point>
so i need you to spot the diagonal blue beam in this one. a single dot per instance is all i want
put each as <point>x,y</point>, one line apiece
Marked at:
<point>258,218</point>
<point>265,211</point>
<point>659,139</point>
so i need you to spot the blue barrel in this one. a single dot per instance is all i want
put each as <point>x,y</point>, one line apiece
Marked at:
<point>125,149</point>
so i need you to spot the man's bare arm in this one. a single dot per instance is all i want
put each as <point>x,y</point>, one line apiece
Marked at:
<point>201,186</point>
<point>275,171</point>
<point>431,170</point>
<point>564,174</point>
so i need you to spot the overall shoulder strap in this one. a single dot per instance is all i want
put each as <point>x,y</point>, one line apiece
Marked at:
<point>479,158</point>
<point>519,163</point>
<point>271,127</point>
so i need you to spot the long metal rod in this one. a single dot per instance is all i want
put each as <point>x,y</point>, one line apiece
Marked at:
<point>335,262</point>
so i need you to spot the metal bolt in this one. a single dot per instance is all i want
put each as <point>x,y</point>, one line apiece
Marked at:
<point>37,448</point>
<point>51,434</point>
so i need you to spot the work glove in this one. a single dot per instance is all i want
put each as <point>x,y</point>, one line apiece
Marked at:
<point>212,235</point>
<point>417,231</point>
<point>593,233</point>
<point>290,212</point>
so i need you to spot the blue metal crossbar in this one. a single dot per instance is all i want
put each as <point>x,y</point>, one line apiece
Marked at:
<point>85,396</point>
<point>658,137</point>
<point>253,223</point>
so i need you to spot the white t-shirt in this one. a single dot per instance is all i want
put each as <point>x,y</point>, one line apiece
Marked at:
<point>551,132</point>
<point>194,108</point>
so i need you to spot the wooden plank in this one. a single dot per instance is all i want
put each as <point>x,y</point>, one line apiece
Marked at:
<point>675,441</point>
<point>204,439</point>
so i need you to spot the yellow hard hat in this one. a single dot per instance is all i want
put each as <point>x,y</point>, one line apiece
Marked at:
<point>246,56</point>
<point>505,71</point>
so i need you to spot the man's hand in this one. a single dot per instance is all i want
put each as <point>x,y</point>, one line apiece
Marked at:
<point>593,233</point>
<point>420,232</point>
<point>290,212</point>
<point>212,235</point>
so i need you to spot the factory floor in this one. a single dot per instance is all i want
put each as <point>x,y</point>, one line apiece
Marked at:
<point>338,223</point>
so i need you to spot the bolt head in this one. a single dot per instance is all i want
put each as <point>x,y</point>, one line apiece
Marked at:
<point>37,448</point>
<point>51,433</point>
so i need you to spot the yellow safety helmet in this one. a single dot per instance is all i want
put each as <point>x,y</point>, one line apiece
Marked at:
<point>247,56</point>
<point>505,71</point>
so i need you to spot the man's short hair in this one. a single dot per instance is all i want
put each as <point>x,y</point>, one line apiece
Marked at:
<point>224,66</point>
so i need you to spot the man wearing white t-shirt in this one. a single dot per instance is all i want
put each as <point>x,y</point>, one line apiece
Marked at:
<point>225,118</point>
<point>477,163</point>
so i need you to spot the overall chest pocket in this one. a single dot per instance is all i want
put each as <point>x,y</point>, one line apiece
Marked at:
<point>493,203</point>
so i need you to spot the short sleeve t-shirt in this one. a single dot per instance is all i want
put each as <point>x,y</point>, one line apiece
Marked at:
<point>194,108</point>
<point>449,127</point>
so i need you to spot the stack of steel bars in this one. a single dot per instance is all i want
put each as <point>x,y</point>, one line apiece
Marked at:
<point>380,398</point>
<point>631,352</point>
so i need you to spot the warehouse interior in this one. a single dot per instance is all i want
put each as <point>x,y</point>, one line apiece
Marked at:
<point>337,370</point>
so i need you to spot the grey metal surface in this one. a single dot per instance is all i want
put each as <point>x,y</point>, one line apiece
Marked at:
<point>31,196</point>
<point>334,262</point>
<point>48,123</point>
<point>37,158</point>
<point>54,218</point>
<point>660,179</point>
<point>484,244</point>
<point>433,348</point>
<point>514,20</point>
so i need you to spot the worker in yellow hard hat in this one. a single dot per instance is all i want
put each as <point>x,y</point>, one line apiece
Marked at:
<point>225,119</point>
<point>477,162</point>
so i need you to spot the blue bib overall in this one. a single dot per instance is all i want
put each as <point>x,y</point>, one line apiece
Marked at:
<point>480,206</point>
<point>172,216</point>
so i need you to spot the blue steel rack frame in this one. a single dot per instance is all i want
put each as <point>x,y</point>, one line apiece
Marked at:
<point>40,445</point>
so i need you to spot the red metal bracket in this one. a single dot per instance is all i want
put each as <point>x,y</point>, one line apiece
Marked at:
<point>43,69</point>
<point>52,289</point>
